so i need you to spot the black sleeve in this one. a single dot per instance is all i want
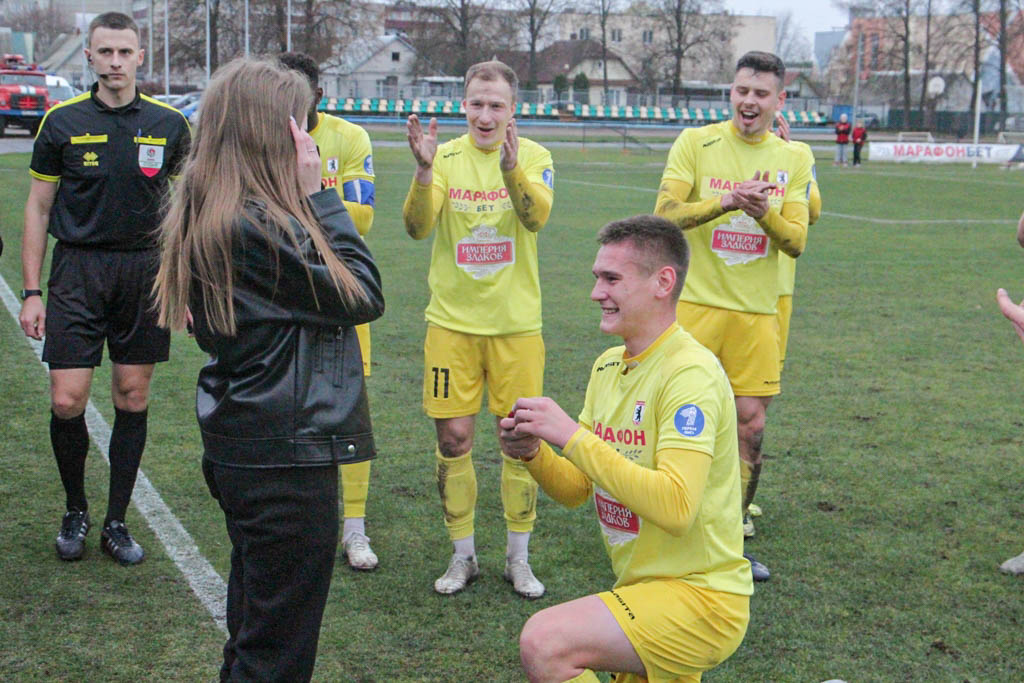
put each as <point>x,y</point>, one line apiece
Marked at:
<point>47,158</point>
<point>180,151</point>
<point>282,283</point>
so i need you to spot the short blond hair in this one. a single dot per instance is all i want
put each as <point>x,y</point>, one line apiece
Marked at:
<point>492,71</point>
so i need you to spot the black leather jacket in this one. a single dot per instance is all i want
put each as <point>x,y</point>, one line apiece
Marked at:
<point>287,390</point>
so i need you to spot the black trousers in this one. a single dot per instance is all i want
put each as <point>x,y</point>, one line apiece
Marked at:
<point>856,153</point>
<point>283,525</point>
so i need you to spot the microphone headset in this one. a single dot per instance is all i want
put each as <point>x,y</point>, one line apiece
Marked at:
<point>103,76</point>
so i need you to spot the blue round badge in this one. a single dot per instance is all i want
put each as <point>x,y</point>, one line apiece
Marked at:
<point>548,176</point>
<point>368,164</point>
<point>689,420</point>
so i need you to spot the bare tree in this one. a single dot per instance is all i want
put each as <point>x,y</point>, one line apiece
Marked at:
<point>449,33</point>
<point>790,42</point>
<point>604,9</point>
<point>694,31</point>
<point>48,23</point>
<point>535,14</point>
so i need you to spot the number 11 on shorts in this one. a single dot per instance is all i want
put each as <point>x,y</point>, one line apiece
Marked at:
<point>437,376</point>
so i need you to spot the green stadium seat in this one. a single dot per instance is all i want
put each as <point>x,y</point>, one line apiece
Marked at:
<point>548,110</point>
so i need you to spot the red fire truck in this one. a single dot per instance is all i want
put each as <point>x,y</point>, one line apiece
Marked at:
<point>23,96</point>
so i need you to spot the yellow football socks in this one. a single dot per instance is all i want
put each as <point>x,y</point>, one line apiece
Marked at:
<point>456,483</point>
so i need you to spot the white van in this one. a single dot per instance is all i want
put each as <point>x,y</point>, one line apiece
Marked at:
<point>58,89</point>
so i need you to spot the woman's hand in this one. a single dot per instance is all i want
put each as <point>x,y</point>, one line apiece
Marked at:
<point>307,158</point>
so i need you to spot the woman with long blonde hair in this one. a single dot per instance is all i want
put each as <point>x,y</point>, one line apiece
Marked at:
<point>275,276</point>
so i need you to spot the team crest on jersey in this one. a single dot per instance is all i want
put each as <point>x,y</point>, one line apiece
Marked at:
<point>548,176</point>
<point>638,412</point>
<point>368,164</point>
<point>689,420</point>
<point>151,159</point>
<point>739,241</point>
<point>781,177</point>
<point>332,165</point>
<point>484,252</point>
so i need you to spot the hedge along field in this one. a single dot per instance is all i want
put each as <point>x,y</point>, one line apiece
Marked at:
<point>891,491</point>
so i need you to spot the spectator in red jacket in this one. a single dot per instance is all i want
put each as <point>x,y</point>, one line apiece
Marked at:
<point>860,134</point>
<point>842,140</point>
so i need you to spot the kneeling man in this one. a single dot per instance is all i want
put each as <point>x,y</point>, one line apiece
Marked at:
<point>656,449</point>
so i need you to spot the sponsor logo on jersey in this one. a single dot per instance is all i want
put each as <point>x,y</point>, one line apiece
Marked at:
<point>151,159</point>
<point>638,412</point>
<point>332,165</point>
<point>741,240</point>
<point>627,436</point>
<point>609,364</point>
<point>331,181</point>
<point>484,252</point>
<point>368,164</point>
<point>90,159</point>
<point>468,195</point>
<point>719,186</point>
<point>689,420</point>
<point>618,523</point>
<point>711,142</point>
<point>548,176</point>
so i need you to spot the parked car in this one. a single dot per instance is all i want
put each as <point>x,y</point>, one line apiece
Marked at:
<point>870,119</point>
<point>58,90</point>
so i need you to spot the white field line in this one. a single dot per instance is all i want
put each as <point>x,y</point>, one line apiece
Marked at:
<point>863,219</point>
<point>205,582</point>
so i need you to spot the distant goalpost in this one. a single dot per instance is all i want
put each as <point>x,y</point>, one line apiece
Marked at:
<point>914,136</point>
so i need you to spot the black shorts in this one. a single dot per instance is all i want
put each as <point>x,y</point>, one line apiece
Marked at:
<point>95,295</point>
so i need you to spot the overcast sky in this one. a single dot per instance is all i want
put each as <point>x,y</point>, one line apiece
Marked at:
<point>811,16</point>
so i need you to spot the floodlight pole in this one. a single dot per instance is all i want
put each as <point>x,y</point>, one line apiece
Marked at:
<point>149,50</point>
<point>246,28</point>
<point>207,42</point>
<point>977,117</point>
<point>856,76</point>
<point>167,49</point>
<point>288,38</point>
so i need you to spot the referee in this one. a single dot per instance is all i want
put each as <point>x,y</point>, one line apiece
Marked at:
<point>100,168</point>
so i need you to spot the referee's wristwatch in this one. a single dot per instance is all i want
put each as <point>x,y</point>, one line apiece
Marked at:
<point>26,293</point>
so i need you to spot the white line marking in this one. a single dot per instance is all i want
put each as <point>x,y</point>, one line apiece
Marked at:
<point>863,219</point>
<point>204,580</point>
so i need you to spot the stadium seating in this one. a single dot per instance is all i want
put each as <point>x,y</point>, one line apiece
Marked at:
<point>698,116</point>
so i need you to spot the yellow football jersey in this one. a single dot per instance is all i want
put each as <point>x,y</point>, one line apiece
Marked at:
<point>483,264</point>
<point>674,395</point>
<point>787,264</point>
<point>733,263</point>
<point>346,159</point>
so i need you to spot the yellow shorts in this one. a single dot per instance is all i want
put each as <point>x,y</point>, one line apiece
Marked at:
<point>747,344</point>
<point>363,333</point>
<point>785,313</point>
<point>456,365</point>
<point>678,629</point>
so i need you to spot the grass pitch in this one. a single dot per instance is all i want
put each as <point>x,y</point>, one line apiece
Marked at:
<point>892,488</point>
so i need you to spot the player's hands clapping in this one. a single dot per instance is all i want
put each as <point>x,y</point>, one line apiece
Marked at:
<point>422,144</point>
<point>783,126</point>
<point>308,158</point>
<point>533,419</point>
<point>750,196</point>
<point>1013,312</point>
<point>510,147</point>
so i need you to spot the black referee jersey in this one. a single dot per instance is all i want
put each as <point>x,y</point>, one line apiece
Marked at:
<point>113,165</point>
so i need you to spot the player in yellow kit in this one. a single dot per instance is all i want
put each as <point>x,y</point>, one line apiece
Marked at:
<point>347,165</point>
<point>787,264</point>
<point>655,448</point>
<point>741,194</point>
<point>484,196</point>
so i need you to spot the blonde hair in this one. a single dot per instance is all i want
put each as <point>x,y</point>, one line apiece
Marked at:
<point>242,152</point>
<point>492,71</point>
